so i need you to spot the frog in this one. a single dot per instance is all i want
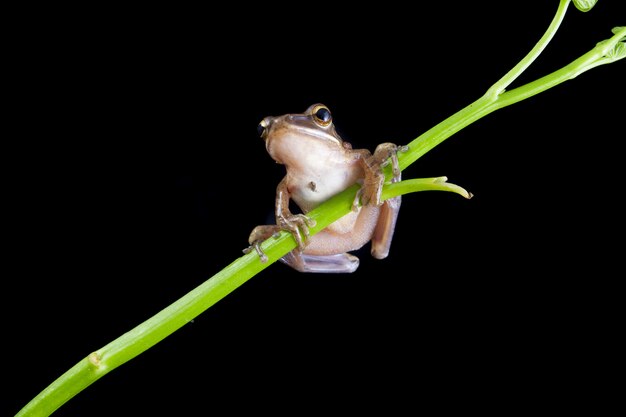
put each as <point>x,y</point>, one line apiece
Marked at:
<point>320,164</point>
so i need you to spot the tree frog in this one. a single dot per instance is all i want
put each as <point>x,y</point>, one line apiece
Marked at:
<point>319,165</point>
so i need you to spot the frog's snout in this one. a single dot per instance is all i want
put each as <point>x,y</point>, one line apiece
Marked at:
<point>263,127</point>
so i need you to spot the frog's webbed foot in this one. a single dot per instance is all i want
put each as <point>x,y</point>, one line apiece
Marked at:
<point>337,263</point>
<point>389,152</point>
<point>298,225</point>
<point>372,187</point>
<point>257,236</point>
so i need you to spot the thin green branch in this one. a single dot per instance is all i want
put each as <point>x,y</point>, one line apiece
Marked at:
<point>172,318</point>
<point>605,52</point>
<point>175,316</point>
<point>517,70</point>
<point>423,184</point>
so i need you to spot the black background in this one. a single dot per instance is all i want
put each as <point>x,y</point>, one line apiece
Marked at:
<point>139,174</point>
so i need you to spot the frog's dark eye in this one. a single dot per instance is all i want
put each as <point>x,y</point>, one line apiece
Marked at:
<point>262,128</point>
<point>322,115</point>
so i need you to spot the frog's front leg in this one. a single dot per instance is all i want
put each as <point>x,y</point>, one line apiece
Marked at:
<point>374,177</point>
<point>296,224</point>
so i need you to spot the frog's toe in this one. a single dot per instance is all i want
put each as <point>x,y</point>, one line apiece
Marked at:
<point>256,246</point>
<point>257,236</point>
<point>298,225</point>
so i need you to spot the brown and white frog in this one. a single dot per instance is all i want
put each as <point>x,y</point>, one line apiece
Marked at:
<point>319,165</point>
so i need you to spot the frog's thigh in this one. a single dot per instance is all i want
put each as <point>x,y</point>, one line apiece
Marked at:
<point>340,237</point>
<point>326,251</point>
<point>383,234</point>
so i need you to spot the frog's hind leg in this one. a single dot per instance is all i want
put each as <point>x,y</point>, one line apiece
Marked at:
<point>383,234</point>
<point>337,263</point>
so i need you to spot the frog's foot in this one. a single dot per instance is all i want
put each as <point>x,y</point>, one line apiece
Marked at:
<point>298,225</point>
<point>372,187</point>
<point>257,247</point>
<point>257,236</point>
<point>338,263</point>
<point>389,151</point>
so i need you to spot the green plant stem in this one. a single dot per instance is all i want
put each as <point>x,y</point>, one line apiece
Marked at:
<point>167,321</point>
<point>601,54</point>
<point>496,89</point>
<point>172,318</point>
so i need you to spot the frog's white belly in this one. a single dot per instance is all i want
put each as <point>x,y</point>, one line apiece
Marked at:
<point>317,187</point>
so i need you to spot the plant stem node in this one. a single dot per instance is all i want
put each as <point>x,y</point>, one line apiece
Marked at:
<point>94,359</point>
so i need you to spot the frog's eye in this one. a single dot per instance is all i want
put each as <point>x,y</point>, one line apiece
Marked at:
<point>262,128</point>
<point>322,115</point>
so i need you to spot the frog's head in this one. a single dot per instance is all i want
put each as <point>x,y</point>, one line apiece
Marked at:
<point>300,137</point>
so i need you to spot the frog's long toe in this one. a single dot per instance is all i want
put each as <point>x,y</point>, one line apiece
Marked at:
<point>257,236</point>
<point>256,246</point>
